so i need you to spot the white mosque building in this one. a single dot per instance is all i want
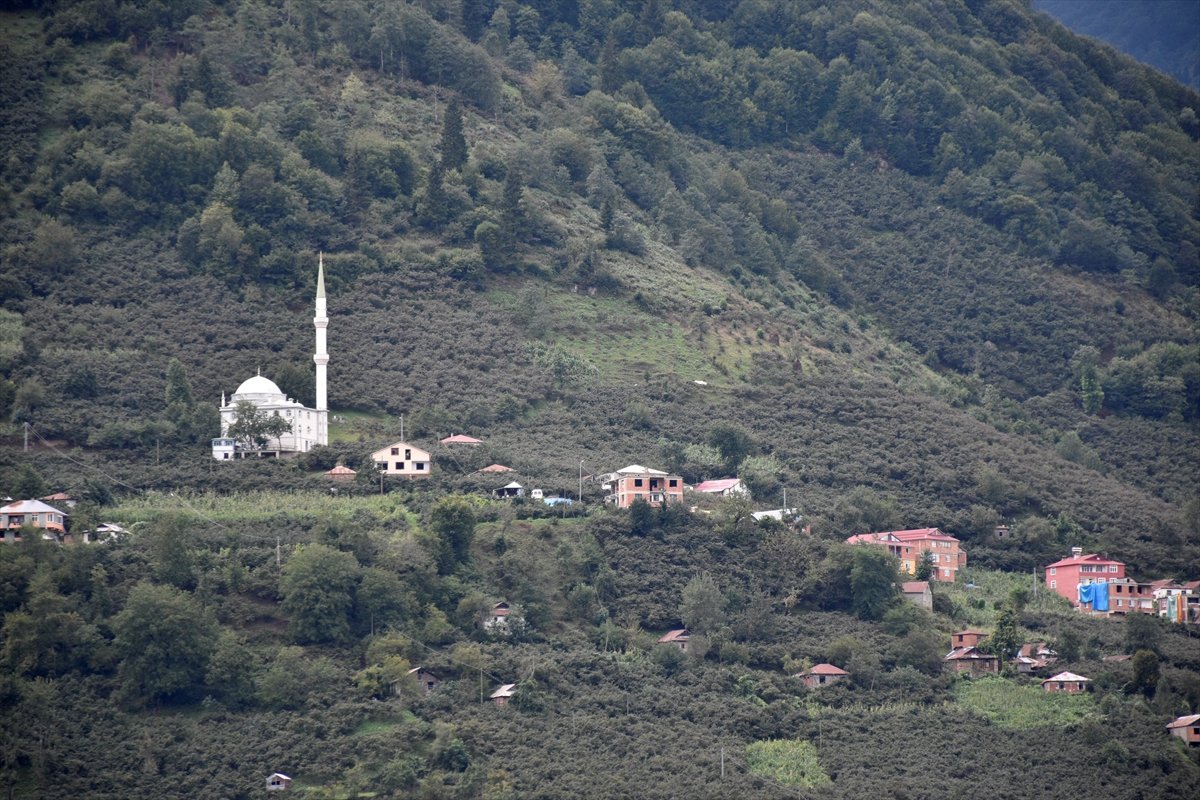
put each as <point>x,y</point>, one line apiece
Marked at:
<point>309,426</point>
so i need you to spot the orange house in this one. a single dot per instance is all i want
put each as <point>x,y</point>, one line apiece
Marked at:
<point>33,513</point>
<point>636,482</point>
<point>911,547</point>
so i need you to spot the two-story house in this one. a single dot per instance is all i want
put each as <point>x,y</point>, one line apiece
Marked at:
<point>636,482</point>
<point>403,459</point>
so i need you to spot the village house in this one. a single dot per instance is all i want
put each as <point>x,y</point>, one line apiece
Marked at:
<point>967,638</point>
<point>277,782</point>
<point>425,679</point>
<point>911,546</point>
<point>501,696</point>
<point>1177,602</point>
<point>821,675</point>
<point>402,459</point>
<point>678,638</point>
<point>1077,577</point>
<point>104,532</point>
<point>496,468</point>
<point>636,482</point>
<point>723,487</point>
<point>60,498</point>
<point>972,662</point>
<point>497,619</point>
<point>34,514</point>
<point>1186,728</point>
<point>459,438</point>
<point>1098,585</point>
<point>918,592</point>
<point>1033,657</point>
<point>1066,683</point>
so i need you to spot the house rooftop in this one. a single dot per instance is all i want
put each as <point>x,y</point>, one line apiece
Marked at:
<point>720,485</point>
<point>680,635</point>
<point>638,469</point>
<point>497,468</point>
<point>1066,676</point>
<point>507,690</point>
<point>1183,722</point>
<point>911,535</point>
<point>972,653</point>
<point>30,507</point>
<point>825,669</point>
<point>1090,558</point>
<point>914,587</point>
<point>460,438</point>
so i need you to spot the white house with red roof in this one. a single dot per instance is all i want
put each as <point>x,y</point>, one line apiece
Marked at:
<point>821,675</point>
<point>911,546</point>
<point>1066,683</point>
<point>723,487</point>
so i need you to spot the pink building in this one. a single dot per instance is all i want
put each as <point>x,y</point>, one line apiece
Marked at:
<point>911,546</point>
<point>636,482</point>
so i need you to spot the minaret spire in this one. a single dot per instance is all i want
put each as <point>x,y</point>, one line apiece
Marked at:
<point>321,356</point>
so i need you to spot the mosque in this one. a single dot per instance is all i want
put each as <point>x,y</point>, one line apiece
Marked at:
<point>309,426</point>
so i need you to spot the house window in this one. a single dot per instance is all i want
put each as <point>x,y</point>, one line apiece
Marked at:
<point>395,451</point>
<point>946,573</point>
<point>407,454</point>
<point>1053,571</point>
<point>1112,567</point>
<point>225,456</point>
<point>637,482</point>
<point>674,483</point>
<point>399,465</point>
<point>1053,584</point>
<point>420,466</point>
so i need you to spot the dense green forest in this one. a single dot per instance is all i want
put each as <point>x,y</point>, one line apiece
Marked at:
<point>929,264</point>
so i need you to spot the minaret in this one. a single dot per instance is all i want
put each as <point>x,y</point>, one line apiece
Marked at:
<point>321,357</point>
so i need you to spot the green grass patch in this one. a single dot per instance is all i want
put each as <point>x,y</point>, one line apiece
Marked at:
<point>354,426</point>
<point>978,592</point>
<point>367,727</point>
<point>787,761</point>
<point>1023,706</point>
<point>256,507</point>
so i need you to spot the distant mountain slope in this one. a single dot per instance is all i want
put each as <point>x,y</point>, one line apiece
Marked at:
<point>1162,33</point>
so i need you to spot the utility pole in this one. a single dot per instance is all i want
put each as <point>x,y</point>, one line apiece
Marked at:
<point>26,437</point>
<point>278,559</point>
<point>581,482</point>
<point>402,427</point>
<point>722,763</point>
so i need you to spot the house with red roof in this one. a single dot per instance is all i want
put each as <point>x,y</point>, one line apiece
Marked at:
<point>1084,581</point>
<point>459,438</point>
<point>723,487</point>
<point>678,638</point>
<point>918,592</point>
<point>1066,683</point>
<point>1186,728</point>
<point>912,546</point>
<point>821,675</point>
<point>341,473</point>
<point>972,662</point>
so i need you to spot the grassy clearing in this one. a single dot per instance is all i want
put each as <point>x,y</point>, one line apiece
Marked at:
<point>1023,706</point>
<point>787,761</point>
<point>256,507</point>
<point>354,426</point>
<point>979,592</point>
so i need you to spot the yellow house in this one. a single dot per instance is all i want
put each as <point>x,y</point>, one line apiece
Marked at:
<point>403,459</point>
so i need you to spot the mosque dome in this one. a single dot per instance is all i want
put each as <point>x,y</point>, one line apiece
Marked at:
<point>258,388</point>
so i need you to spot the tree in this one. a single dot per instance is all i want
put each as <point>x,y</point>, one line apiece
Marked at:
<point>864,510</point>
<point>1142,632</point>
<point>254,429</point>
<point>873,577</point>
<point>318,586</point>
<point>42,638</point>
<point>170,556</point>
<point>164,641</point>
<point>1005,640</point>
<point>380,600</point>
<point>1145,672</point>
<point>1068,646</point>
<point>453,522</point>
<point>179,389</point>
<point>298,383</point>
<point>925,567</point>
<point>734,443</point>
<point>454,144</point>
<point>29,483</point>
<point>703,606</point>
<point>231,670</point>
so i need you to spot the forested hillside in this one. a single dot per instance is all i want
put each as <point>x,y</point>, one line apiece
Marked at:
<point>931,264</point>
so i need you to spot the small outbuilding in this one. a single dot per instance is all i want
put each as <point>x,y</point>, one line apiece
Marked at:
<point>1066,683</point>
<point>678,638</point>
<point>501,696</point>
<point>918,592</point>
<point>277,781</point>
<point>509,490</point>
<point>497,468</point>
<point>723,487</point>
<point>425,679</point>
<point>821,675</point>
<point>1186,728</point>
<point>459,438</point>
